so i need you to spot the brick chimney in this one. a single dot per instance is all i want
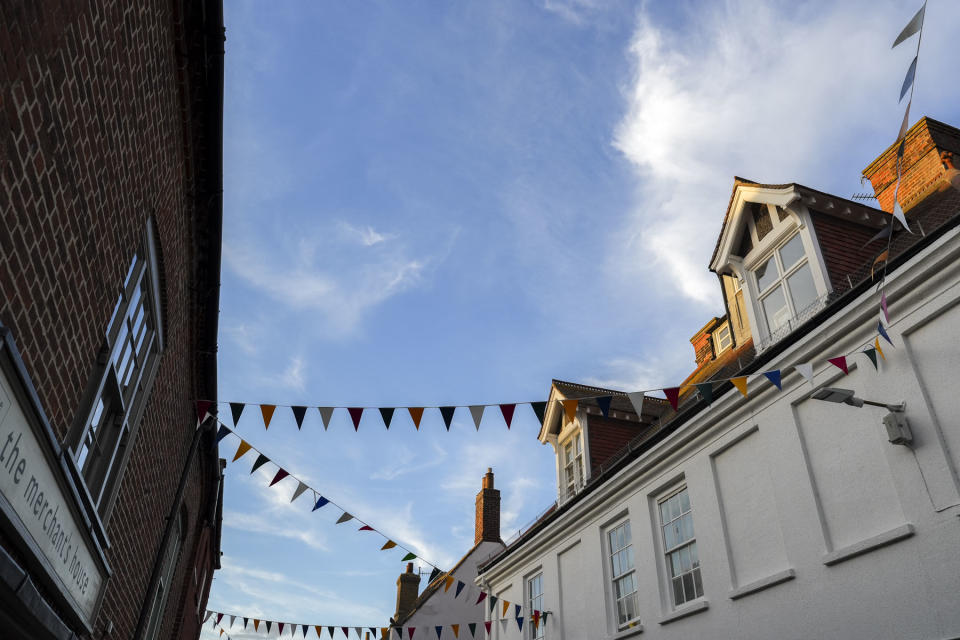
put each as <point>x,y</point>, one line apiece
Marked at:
<point>488,511</point>
<point>922,166</point>
<point>408,586</point>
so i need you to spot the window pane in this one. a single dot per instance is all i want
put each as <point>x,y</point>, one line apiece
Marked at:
<point>626,533</point>
<point>688,586</point>
<point>767,274</point>
<point>697,583</point>
<point>678,591</point>
<point>684,500</point>
<point>802,290</point>
<point>629,561</point>
<point>685,559</point>
<point>669,538</point>
<point>775,309</point>
<point>792,252</point>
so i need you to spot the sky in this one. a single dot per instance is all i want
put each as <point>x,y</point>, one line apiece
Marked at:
<point>431,204</point>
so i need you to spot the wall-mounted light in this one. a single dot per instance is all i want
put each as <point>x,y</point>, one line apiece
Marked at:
<point>898,428</point>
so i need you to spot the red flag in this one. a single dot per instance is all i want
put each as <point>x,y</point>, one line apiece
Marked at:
<point>202,407</point>
<point>365,527</point>
<point>483,596</point>
<point>410,631</point>
<point>673,395</point>
<point>487,625</point>
<point>355,413</point>
<point>280,476</point>
<point>507,411</point>
<point>839,362</point>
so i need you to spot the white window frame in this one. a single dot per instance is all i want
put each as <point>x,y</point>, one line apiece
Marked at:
<point>673,554</point>
<point>123,380</point>
<point>170,560</point>
<point>572,472</point>
<point>616,554</point>
<point>718,341</point>
<point>534,603</point>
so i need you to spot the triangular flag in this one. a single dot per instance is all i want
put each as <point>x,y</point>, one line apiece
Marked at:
<point>260,461</point>
<point>266,410</point>
<point>416,413</point>
<point>331,630</point>
<point>222,432</point>
<point>520,623</point>
<point>604,403</point>
<point>387,414</point>
<point>673,396</point>
<point>219,618</point>
<point>473,629</point>
<point>321,501</point>
<point>447,413</point>
<point>518,610</point>
<point>203,407</point>
<point>570,408</point>
<point>476,412</point>
<point>410,631</point>
<point>908,79</point>
<point>399,633</point>
<point>433,575</point>
<point>460,586</point>
<point>298,413</point>
<point>506,605</point>
<point>346,631</point>
<point>221,633</point>
<point>456,630</point>
<point>246,621</point>
<point>898,214</point>
<point>493,602</point>
<point>269,624</point>
<point>636,399</point>
<point>365,527</point>
<point>207,616</point>
<point>325,414</point>
<point>439,630</point>
<point>280,626</point>
<point>281,474</point>
<point>705,389</point>
<point>503,624</point>
<point>299,491</point>
<point>483,596</point>
<point>806,370</point>
<point>872,354</point>
<point>882,257</point>
<point>741,384</point>
<point>774,377</point>
<point>536,619</point>
<point>359,631</point>
<point>449,580</point>
<point>876,345</point>
<point>487,626</point>
<point>883,332</point>
<point>390,544</point>
<point>507,411</point>
<point>912,27</point>
<point>355,414</point>
<point>539,409</point>
<point>303,628</point>
<point>409,556</point>
<point>344,518</point>
<point>839,362</point>
<point>256,624</point>
<point>904,127</point>
<point>883,306</point>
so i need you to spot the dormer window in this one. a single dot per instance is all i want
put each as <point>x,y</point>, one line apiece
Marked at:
<point>722,338</point>
<point>785,285</point>
<point>573,465</point>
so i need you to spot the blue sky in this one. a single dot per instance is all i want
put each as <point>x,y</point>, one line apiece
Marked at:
<point>433,204</point>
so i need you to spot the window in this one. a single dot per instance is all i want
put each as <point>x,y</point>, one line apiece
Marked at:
<point>722,339</point>
<point>573,466</point>
<point>535,603</point>
<point>170,558</point>
<point>123,379</point>
<point>785,284</point>
<point>680,547</point>
<point>622,575</point>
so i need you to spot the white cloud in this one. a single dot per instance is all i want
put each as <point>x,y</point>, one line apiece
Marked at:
<point>367,235</point>
<point>293,377</point>
<point>770,92</point>
<point>254,523</point>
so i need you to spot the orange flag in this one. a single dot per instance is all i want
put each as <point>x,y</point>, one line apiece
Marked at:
<point>245,446</point>
<point>741,384</point>
<point>506,605</point>
<point>876,345</point>
<point>389,545</point>
<point>267,411</point>
<point>449,581</point>
<point>416,413</point>
<point>570,408</point>
<point>318,629</point>
<point>456,630</point>
<point>256,624</point>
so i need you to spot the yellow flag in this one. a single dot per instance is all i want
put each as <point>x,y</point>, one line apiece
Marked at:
<point>383,632</point>
<point>449,581</point>
<point>456,630</point>
<point>256,624</point>
<point>221,632</point>
<point>876,345</point>
<point>389,545</point>
<point>267,411</point>
<point>242,449</point>
<point>570,408</point>
<point>416,413</point>
<point>506,605</point>
<point>741,384</point>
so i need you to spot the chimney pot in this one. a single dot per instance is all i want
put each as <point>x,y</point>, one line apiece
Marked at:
<point>487,524</point>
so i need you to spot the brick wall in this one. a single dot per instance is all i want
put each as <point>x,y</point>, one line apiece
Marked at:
<point>608,436</point>
<point>92,142</point>
<point>842,244</point>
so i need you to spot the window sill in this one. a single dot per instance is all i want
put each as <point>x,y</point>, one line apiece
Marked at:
<point>864,546</point>
<point>763,583</point>
<point>686,610</point>
<point>629,632</point>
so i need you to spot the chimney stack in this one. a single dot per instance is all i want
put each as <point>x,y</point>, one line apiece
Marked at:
<point>487,526</point>
<point>408,586</point>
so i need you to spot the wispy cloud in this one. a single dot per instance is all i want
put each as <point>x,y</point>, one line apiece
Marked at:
<point>365,235</point>
<point>254,523</point>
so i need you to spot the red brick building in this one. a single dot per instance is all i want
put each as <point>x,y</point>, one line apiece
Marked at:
<point>110,220</point>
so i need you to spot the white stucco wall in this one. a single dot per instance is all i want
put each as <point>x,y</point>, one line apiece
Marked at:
<point>442,608</point>
<point>809,523</point>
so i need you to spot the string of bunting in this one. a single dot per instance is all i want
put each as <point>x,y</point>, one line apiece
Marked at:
<point>219,619</point>
<point>672,394</point>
